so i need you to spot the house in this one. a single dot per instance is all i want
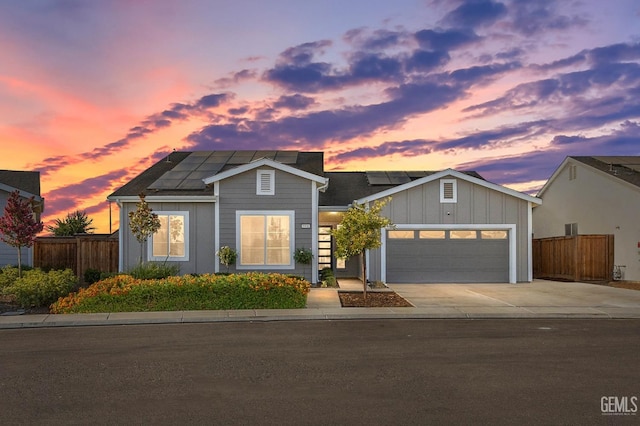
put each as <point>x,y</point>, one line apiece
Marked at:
<point>449,226</point>
<point>595,195</point>
<point>28,184</point>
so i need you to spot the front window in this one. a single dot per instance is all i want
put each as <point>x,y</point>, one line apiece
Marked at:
<point>265,240</point>
<point>170,242</point>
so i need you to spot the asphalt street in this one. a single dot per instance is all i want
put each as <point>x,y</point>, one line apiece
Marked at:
<point>323,372</point>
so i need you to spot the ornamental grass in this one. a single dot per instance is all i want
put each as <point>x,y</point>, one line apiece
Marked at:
<point>123,293</point>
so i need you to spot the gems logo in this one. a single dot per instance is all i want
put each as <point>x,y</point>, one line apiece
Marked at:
<point>619,405</point>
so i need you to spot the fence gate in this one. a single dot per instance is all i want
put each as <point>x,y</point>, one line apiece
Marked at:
<point>78,253</point>
<point>574,258</point>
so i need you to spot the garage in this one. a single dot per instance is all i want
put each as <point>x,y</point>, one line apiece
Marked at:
<point>447,255</point>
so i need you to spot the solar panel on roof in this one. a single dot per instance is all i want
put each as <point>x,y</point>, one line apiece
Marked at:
<point>287,157</point>
<point>188,174</point>
<point>241,157</point>
<point>377,178</point>
<point>191,184</point>
<point>416,174</point>
<point>398,178</point>
<point>264,154</point>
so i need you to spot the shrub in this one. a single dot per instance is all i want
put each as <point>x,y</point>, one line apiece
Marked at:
<point>208,291</point>
<point>8,276</point>
<point>327,278</point>
<point>39,288</point>
<point>91,276</point>
<point>153,270</point>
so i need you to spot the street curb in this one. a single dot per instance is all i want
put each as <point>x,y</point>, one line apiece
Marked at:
<point>200,317</point>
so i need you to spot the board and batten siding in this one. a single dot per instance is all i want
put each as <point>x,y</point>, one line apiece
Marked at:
<point>292,193</point>
<point>202,256</point>
<point>475,205</point>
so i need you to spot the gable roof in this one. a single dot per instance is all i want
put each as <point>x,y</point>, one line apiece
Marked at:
<point>260,163</point>
<point>181,173</point>
<point>622,168</point>
<point>449,173</point>
<point>345,187</point>
<point>188,175</point>
<point>28,183</point>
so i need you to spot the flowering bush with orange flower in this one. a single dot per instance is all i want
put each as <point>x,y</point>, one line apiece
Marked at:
<point>123,293</point>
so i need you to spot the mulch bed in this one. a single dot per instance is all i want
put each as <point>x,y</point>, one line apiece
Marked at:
<point>375,299</point>
<point>631,285</point>
<point>7,305</point>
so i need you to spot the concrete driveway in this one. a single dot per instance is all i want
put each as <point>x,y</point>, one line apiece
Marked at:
<point>538,297</point>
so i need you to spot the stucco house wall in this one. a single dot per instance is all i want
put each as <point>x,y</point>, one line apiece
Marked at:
<point>598,203</point>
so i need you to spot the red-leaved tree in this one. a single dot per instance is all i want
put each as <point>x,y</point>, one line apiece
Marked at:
<point>18,225</point>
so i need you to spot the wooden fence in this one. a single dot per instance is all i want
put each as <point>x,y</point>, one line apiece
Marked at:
<point>78,253</point>
<point>574,258</point>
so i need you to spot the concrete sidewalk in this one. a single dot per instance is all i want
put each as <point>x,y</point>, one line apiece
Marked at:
<point>539,299</point>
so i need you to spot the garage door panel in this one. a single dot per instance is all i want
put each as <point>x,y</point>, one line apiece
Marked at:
<point>447,260</point>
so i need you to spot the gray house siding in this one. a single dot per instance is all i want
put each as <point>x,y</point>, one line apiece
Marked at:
<point>476,205</point>
<point>200,238</point>
<point>292,193</point>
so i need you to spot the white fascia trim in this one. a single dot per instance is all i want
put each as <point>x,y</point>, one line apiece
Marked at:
<point>22,193</point>
<point>265,162</point>
<point>166,199</point>
<point>553,176</point>
<point>445,173</point>
<point>513,262</point>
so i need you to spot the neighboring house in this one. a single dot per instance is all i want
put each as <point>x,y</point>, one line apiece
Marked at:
<point>449,226</point>
<point>595,195</point>
<point>28,184</point>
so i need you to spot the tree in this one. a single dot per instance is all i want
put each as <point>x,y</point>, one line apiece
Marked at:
<point>18,226</point>
<point>360,231</point>
<point>143,222</point>
<point>75,223</point>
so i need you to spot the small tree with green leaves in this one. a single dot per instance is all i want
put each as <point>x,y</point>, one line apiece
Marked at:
<point>143,223</point>
<point>18,225</point>
<point>360,231</point>
<point>75,223</point>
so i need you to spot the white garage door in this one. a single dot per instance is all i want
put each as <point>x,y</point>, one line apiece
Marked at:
<point>447,256</point>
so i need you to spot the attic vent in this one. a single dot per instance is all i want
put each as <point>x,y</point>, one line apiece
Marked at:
<point>265,182</point>
<point>573,172</point>
<point>448,191</point>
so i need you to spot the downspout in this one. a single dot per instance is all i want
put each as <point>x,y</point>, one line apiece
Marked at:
<point>120,236</point>
<point>315,226</point>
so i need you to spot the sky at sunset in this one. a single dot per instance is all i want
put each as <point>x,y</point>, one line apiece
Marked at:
<point>94,92</point>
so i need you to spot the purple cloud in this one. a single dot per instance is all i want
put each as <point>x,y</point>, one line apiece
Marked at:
<point>472,14</point>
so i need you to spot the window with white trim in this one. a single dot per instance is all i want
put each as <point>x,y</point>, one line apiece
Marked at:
<point>265,182</point>
<point>171,241</point>
<point>448,191</point>
<point>265,239</point>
